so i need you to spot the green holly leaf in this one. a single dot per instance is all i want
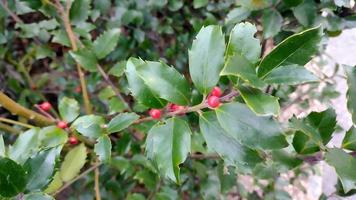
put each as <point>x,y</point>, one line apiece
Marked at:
<point>306,13</point>
<point>349,141</point>
<point>2,147</point>
<point>314,131</point>
<point>40,168</point>
<point>168,145</point>
<point>237,65</point>
<point>138,88</point>
<point>206,58</point>
<point>351,91</point>
<point>91,126</point>
<point>37,196</point>
<point>344,165</point>
<point>200,3</point>
<point>251,130</point>
<point>68,109</point>
<point>26,144</point>
<point>79,11</point>
<point>285,160</point>
<point>228,147</point>
<point>259,102</point>
<point>52,136</point>
<point>103,148</point>
<point>106,43</point>
<point>118,69</point>
<point>272,22</point>
<point>122,121</point>
<point>255,4</point>
<point>290,75</point>
<point>243,42</point>
<point>73,162</point>
<point>85,58</point>
<point>34,4</point>
<point>55,184</point>
<point>165,81</point>
<point>12,178</point>
<point>236,15</point>
<point>296,49</point>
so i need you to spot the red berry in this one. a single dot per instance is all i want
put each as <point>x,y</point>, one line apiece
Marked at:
<point>174,107</point>
<point>46,106</point>
<point>213,101</point>
<point>62,124</point>
<point>78,89</point>
<point>73,140</point>
<point>216,92</point>
<point>155,113</point>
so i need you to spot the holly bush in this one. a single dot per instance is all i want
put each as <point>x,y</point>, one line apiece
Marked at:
<point>169,99</point>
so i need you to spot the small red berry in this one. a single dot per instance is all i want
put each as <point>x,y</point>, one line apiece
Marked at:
<point>174,107</point>
<point>213,101</point>
<point>216,92</point>
<point>62,124</point>
<point>73,140</point>
<point>46,106</point>
<point>155,113</point>
<point>78,89</point>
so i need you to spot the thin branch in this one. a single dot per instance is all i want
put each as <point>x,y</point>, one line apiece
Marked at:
<point>72,39</point>
<point>77,178</point>
<point>204,156</point>
<point>9,129</point>
<point>12,14</point>
<point>10,121</point>
<point>227,98</point>
<point>97,188</point>
<point>17,109</point>
<point>115,89</point>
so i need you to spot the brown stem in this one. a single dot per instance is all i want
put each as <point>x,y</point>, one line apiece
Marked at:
<point>16,109</point>
<point>115,89</point>
<point>72,39</point>
<point>13,15</point>
<point>9,129</point>
<point>97,188</point>
<point>197,108</point>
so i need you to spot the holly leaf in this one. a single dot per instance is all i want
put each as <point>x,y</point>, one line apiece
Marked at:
<point>52,136</point>
<point>12,178</point>
<point>243,125</point>
<point>290,75</point>
<point>351,92</point>
<point>272,22</point>
<point>349,141</point>
<point>106,43</point>
<point>103,148</point>
<point>165,81</point>
<point>40,168</point>
<point>85,58</point>
<point>122,121</point>
<point>2,147</point>
<point>79,11</point>
<point>243,42</point>
<point>138,88</point>
<point>168,145</point>
<point>314,131</point>
<point>68,109</point>
<point>259,102</point>
<point>296,49</point>
<point>90,125</point>
<point>25,145</point>
<point>37,196</point>
<point>206,58</point>
<point>73,162</point>
<point>228,147</point>
<point>344,165</point>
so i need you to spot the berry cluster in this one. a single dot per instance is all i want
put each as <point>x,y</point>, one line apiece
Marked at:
<point>213,102</point>
<point>214,97</point>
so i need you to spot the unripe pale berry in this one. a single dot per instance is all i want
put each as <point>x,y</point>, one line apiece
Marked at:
<point>73,140</point>
<point>216,92</point>
<point>46,106</point>
<point>155,113</point>
<point>62,124</point>
<point>213,101</point>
